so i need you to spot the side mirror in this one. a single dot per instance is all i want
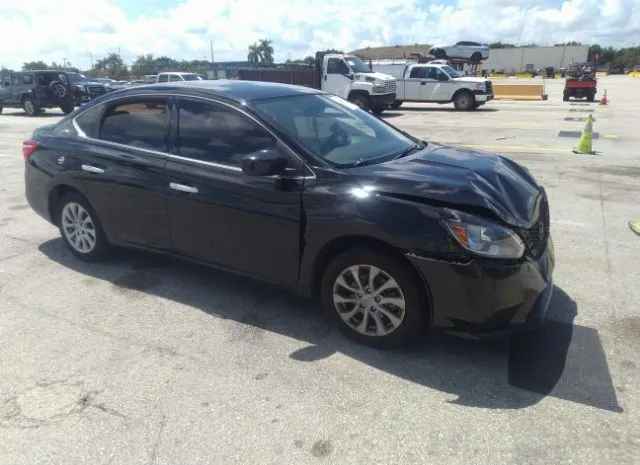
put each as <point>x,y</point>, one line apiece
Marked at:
<point>267,162</point>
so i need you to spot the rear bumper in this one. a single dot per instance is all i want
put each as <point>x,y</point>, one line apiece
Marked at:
<point>37,187</point>
<point>382,100</point>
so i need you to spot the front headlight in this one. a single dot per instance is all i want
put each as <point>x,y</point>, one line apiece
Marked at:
<point>378,89</point>
<point>484,237</point>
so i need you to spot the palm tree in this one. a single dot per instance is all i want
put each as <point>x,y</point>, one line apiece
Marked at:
<point>254,56</point>
<point>266,48</point>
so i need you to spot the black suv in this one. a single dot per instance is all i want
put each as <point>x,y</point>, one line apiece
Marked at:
<point>85,89</point>
<point>38,89</point>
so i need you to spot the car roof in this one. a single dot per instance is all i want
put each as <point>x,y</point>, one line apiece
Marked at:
<point>237,90</point>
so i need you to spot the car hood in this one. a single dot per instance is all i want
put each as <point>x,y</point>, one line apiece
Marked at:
<point>458,178</point>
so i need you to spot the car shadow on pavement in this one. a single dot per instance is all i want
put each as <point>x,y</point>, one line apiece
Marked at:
<point>561,359</point>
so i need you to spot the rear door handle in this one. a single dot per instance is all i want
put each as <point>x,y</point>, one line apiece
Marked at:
<point>92,169</point>
<point>183,188</point>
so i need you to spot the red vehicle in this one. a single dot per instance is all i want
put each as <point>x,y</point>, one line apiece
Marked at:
<point>580,82</point>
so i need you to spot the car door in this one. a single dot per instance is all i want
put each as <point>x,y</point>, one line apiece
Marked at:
<point>121,167</point>
<point>441,84</point>
<point>336,80</point>
<point>412,83</point>
<point>217,213</point>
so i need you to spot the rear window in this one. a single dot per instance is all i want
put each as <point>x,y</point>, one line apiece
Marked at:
<point>27,79</point>
<point>139,123</point>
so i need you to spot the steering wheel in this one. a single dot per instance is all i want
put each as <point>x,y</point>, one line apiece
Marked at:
<point>339,138</point>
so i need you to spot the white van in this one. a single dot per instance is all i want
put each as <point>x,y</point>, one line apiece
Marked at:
<point>174,76</point>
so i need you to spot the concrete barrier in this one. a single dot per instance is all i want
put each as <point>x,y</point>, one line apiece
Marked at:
<point>518,91</point>
<point>602,73</point>
<point>523,75</point>
<point>634,74</point>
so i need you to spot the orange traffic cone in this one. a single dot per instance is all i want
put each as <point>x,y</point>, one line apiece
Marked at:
<point>603,100</point>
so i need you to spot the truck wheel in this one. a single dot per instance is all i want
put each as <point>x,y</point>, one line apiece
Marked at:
<point>67,107</point>
<point>591,97</point>
<point>378,110</point>
<point>360,100</point>
<point>30,108</point>
<point>396,104</point>
<point>464,101</point>
<point>565,97</point>
<point>476,57</point>
<point>440,53</point>
<point>0,109</point>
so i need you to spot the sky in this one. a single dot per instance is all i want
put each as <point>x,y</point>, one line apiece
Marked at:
<point>55,30</point>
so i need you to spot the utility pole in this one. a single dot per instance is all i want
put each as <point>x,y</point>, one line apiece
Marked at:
<point>213,63</point>
<point>118,50</point>
<point>91,58</point>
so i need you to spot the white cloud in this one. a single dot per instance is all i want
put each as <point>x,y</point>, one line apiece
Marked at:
<point>61,29</point>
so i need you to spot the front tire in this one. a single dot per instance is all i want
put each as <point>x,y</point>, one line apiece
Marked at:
<point>81,229</point>
<point>464,101</point>
<point>396,104</point>
<point>374,298</point>
<point>360,100</point>
<point>476,57</point>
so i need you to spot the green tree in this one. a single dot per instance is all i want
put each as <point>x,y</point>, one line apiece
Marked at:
<point>254,56</point>
<point>113,66</point>
<point>266,50</point>
<point>31,65</point>
<point>143,64</point>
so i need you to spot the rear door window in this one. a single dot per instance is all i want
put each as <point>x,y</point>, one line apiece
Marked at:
<point>419,72</point>
<point>142,123</point>
<point>27,79</point>
<point>163,78</point>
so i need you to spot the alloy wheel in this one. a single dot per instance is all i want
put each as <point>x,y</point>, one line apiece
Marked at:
<point>369,300</point>
<point>78,227</point>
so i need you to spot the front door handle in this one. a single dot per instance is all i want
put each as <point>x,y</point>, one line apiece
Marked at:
<point>423,83</point>
<point>183,188</point>
<point>92,169</point>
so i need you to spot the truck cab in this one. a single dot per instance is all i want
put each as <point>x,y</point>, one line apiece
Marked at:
<point>441,83</point>
<point>347,76</point>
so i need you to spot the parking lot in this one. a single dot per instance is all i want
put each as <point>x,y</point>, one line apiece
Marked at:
<point>148,360</point>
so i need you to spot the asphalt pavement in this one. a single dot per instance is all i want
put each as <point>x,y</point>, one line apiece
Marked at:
<point>149,360</point>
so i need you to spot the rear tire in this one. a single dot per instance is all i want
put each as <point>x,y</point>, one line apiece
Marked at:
<point>440,53</point>
<point>1,108</point>
<point>30,107</point>
<point>81,229</point>
<point>476,57</point>
<point>378,110</point>
<point>360,100</point>
<point>386,310</point>
<point>591,97</point>
<point>565,97</point>
<point>464,101</point>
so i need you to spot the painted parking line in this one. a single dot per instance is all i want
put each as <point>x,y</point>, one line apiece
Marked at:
<point>583,119</point>
<point>577,134</point>
<point>512,148</point>
<point>581,110</point>
<point>594,135</point>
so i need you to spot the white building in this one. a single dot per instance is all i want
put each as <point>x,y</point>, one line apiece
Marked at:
<point>521,59</point>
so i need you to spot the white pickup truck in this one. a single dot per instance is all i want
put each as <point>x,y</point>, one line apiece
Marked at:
<point>438,83</point>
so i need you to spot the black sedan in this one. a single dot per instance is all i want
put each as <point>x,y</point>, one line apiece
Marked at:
<point>395,235</point>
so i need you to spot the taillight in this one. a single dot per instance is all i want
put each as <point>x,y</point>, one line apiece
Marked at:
<point>28,147</point>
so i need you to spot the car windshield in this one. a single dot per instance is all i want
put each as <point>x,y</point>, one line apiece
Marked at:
<point>191,77</point>
<point>357,65</point>
<point>76,77</point>
<point>451,72</point>
<point>335,129</point>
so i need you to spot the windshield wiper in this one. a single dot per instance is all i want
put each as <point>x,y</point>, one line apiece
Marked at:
<point>410,150</point>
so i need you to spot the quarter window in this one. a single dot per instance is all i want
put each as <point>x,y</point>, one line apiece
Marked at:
<point>213,133</point>
<point>419,72</point>
<point>139,123</point>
